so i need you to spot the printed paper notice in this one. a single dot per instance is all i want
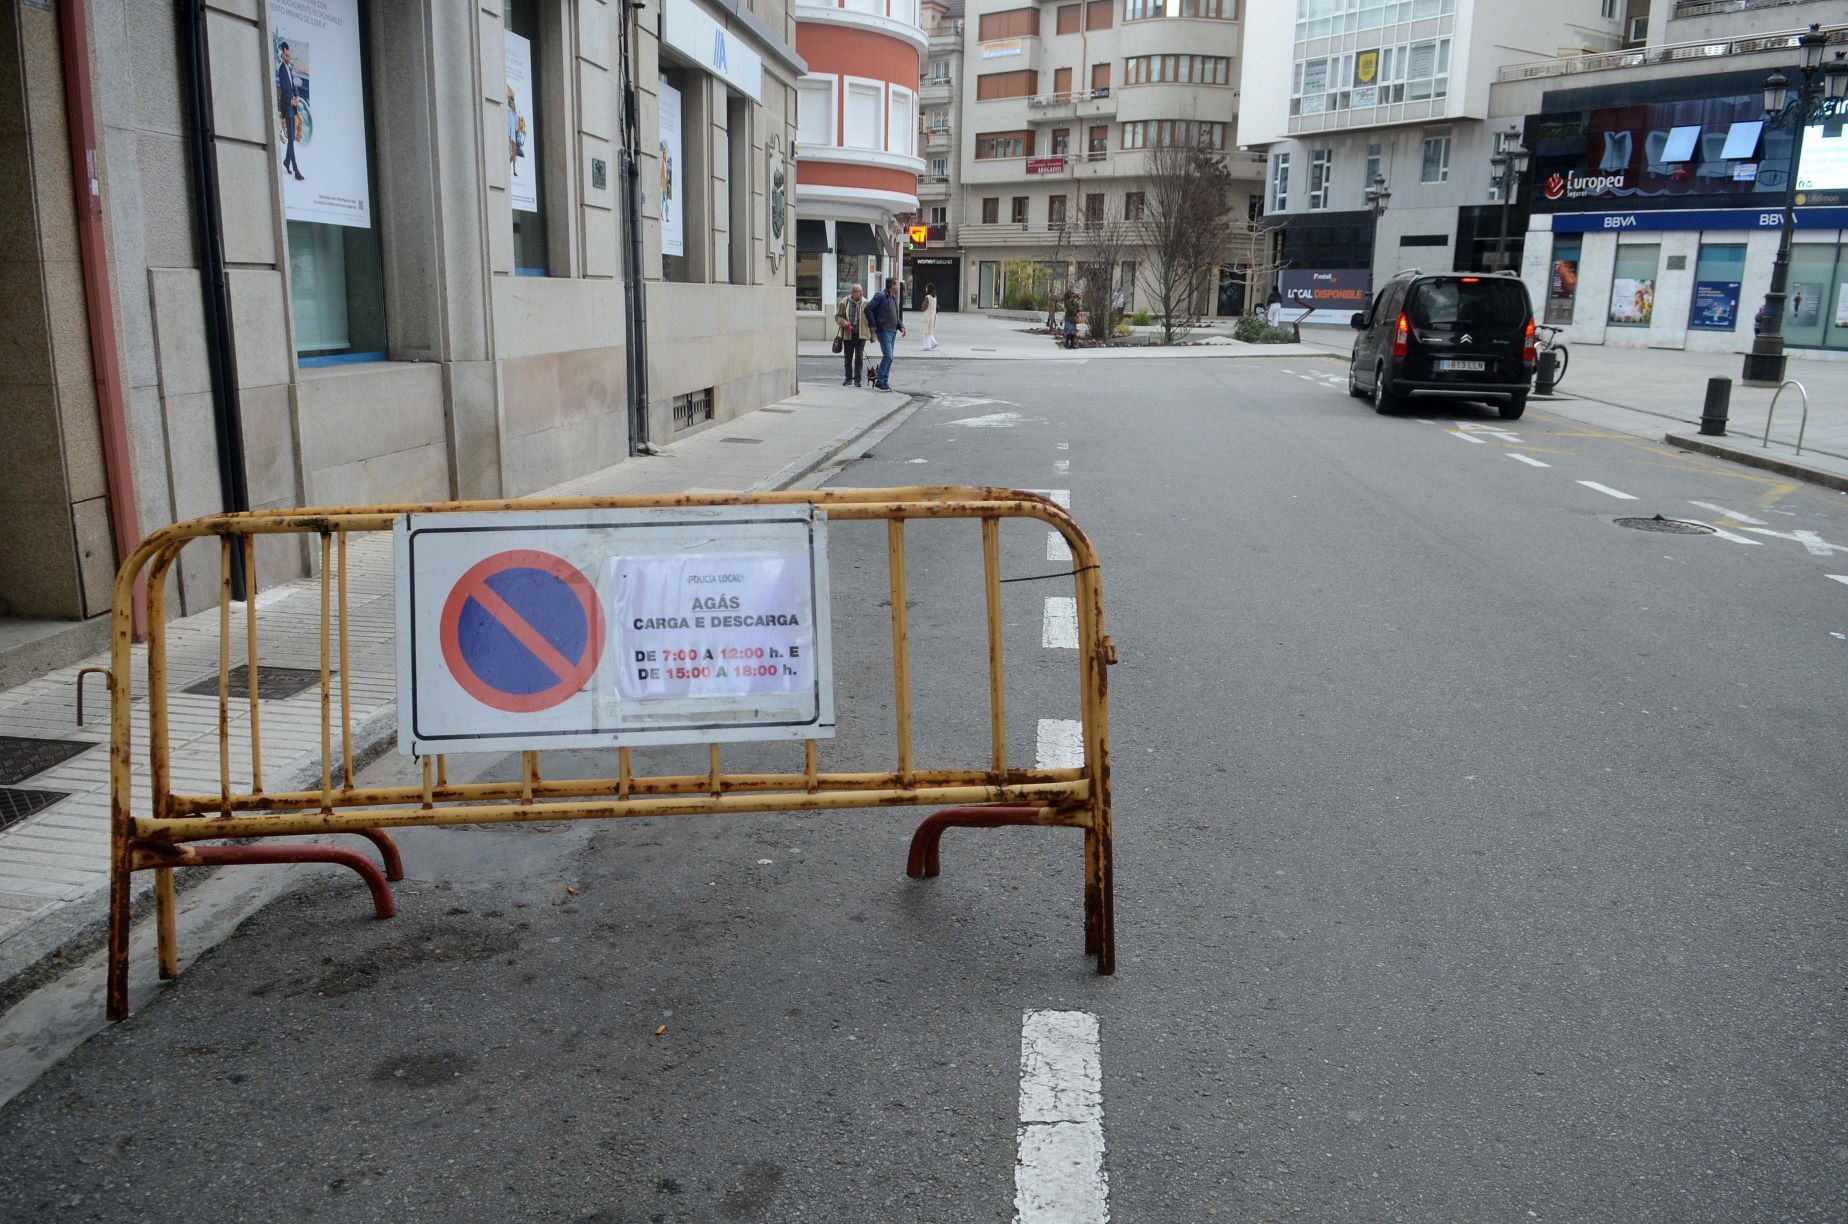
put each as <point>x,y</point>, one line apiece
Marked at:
<point>714,626</point>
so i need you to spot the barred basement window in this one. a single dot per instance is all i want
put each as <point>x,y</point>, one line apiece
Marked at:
<point>693,408</point>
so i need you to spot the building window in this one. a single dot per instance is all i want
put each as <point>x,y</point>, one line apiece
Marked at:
<point>939,214</point>
<point>1633,285</point>
<point>1100,80</point>
<point>940,72</point>
<point>526,69</point>
<point>1135,205</point>
<point>1375,164</point>
<point>1094,208</point>
<point>1142,10</point>
<point>901,120</point>
<point>1009,23</point>
<point>1055,212</point>
<point>1436,168</point>
<point>864,125</point>
<point>1181,69</point>
<point>937,121</point>
<point>1097,142</point>
<point>1127,284</point>
<point>992,146</point>
<point>1321,169</point>
<point>993,85</point>
<point>1062,83</point>
<point>991,210</point>
<point>1372,76</point>
<point>1607,9</point>
<point>940,167</point>
<point>1071,16</point>
<point>1018,213</point>
<point>851,270</point>
<point>1099,15</point>
<point>1218,10</point>
<point>336,274</point>
<point>1164,133</point>
<point>815,111</point>
<point>808,281</point>
<point>1061,141</point>
<point>1280,182</point>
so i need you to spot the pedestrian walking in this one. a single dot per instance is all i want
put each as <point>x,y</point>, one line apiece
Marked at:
<point>1273,308</point>
<point>1071,320</point>
<point>886,312</point>
<point>930,317</point>
<point>854,329</point>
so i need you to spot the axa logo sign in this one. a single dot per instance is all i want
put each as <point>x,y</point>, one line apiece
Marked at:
<point>1573,185</point>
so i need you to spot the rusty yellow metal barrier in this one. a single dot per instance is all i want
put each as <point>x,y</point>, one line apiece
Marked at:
<point>169,831</point>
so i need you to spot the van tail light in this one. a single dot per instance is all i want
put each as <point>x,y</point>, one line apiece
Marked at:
<point>1527,345</point>
<point>1400,334</point>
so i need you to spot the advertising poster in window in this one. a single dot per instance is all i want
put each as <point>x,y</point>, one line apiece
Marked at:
<point>1825,152</point>
<point>320,111</point>
<point>1366,79</point>
<point>1562,289</point>
<point>1804,306</point>
<point>1716,305</point>
<point>673,235</point>
<point>1633,300</point>
<point>522,159</point>
<point>1841,305</point>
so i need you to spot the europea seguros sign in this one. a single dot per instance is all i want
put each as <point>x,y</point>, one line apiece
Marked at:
<point>612,628</point>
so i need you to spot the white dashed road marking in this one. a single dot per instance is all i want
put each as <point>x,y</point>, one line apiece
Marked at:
<point>1058,550</point>
<point>1061,743</point>
<point>1727,535</point>
<point>1529,460</point>
<point>1059,1173</point>
<point>1813,543</point>
<point>1619,494</point>
<point>1723,512</point>
<point>1455,433</point>
<point>1059,625</point>
<point>1061,466</point>
<point>1841,578</point>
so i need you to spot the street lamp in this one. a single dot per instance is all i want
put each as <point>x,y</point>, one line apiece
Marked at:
<point>1377,195</point>
<point>1510,164</point>
<point>1817,87</point>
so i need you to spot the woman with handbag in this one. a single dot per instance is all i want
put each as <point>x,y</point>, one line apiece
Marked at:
<point>852,331</point>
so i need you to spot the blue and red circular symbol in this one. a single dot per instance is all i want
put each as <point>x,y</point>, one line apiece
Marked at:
<point>522,631</point>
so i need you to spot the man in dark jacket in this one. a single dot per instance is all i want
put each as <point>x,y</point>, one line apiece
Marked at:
<point>886,312</point>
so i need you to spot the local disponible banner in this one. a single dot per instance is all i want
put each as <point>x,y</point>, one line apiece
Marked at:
<point>320,111</point>
<point>522,151</point>
<point>673,234</point>
<point>1333,294</point>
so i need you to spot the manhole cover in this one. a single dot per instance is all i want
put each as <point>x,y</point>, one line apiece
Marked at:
<point>16,805</point>
<point>272,682</point>
<point>1667,526</point>
<point>22,756</point>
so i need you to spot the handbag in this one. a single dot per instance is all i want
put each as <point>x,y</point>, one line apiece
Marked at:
<point>837,344</point>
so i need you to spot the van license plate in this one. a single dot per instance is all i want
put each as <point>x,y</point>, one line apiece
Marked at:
<point>1465,367</point>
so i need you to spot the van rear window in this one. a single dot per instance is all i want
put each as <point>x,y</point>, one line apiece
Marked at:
<point>1492,302</point>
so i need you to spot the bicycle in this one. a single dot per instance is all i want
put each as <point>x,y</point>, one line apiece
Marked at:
<point>1546,340</point>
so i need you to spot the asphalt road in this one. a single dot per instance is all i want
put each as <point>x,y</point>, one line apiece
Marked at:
<point>1478,859</point>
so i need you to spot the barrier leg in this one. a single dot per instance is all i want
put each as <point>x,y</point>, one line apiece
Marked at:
<point>164,924</point>
<point>119,877</point>
<point>1093,892</point>
<point>295,852</point>
<point>388,851</point>
<point>1106,896</point>
<point>923,860</point>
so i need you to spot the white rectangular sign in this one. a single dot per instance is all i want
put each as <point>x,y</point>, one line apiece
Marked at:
<point>689,29</point>
<point>673,233</point>
<point>522,147</point>
<point>596,629</point>
<point>320,110</point>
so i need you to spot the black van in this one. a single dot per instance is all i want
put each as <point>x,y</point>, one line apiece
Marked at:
<point>1448,334</point>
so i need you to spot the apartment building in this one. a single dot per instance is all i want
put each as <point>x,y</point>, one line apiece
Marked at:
<point>857,159</point>
<point>938,264</point>
<point>353,251</point>
<point>1062,102</point>
<point>1343,94</point>
<point>1659,182</point>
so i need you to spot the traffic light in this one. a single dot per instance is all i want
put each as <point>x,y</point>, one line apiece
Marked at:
<point>920,236</point>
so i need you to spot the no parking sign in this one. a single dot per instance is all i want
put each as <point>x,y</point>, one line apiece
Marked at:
<point>601,628</point>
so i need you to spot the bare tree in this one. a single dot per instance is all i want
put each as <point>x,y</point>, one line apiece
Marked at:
<point>1186,227</point>
<point>1100,245</point>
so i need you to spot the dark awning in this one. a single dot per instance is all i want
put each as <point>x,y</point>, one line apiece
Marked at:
<point>855,238</point>
<point>811,237</point>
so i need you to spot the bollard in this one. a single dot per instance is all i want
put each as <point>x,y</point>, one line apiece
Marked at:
<point>1713,412</point>
<point>1546,372</point>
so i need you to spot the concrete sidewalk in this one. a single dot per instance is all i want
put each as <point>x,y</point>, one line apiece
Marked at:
<point>1658,393</point>
<point>978,337</point>
<point>54,861</point>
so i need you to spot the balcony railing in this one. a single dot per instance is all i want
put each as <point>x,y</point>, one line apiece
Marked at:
<point>1709,8</point>
<point>1605,61</point>
<point>1084,103</point>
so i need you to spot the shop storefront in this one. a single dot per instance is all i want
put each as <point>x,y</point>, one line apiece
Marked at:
<point>1656,210</point>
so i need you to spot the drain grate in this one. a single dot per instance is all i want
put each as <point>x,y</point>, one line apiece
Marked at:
<point>16,804</point>
<point>1666,526</point>
<point>273,683</point>
<point>22,756</point>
